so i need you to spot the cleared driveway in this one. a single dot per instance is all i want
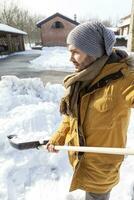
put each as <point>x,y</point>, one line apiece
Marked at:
<point>18,65</point>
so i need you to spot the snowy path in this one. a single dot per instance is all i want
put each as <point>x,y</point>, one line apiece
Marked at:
<point>19,65</point>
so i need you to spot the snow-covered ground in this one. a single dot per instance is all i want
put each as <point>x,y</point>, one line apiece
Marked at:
<point>3,56</point>
<point>28,108</point>
<point>53,58</point>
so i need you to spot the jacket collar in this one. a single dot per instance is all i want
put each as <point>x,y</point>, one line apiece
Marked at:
<point>109,69</point>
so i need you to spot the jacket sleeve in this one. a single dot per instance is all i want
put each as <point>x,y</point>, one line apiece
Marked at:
<point>128,92</point>
<point>58,138</point>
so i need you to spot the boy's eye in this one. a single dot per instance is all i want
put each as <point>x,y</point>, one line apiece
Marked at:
<point>75,52</point>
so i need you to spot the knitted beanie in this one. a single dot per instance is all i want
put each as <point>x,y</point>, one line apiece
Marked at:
<point>92,38</point>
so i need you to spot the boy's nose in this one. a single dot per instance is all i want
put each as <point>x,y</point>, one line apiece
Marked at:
<point>71,58</point>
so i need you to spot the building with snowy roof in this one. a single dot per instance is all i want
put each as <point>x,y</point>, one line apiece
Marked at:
<point>124,29</point>
<point>11,39</point>
<point>124,25</point>
<point>55,29</point>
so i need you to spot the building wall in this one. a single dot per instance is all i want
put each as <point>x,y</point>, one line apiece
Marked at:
<point>131,30</point>
<point>124,26</point>
<point>124,30</point>
<point>124,22</point>
<point>11,43</point>
<point>55,36</point>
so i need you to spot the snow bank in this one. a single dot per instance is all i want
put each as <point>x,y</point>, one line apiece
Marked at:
<point>28,108</point>
<point>53,58</point>
<point>3,56</point>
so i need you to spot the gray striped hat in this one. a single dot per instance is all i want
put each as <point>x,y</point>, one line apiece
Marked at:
<point>92,38</point>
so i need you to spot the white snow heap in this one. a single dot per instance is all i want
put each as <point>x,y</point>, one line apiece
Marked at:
<point>53,58</point>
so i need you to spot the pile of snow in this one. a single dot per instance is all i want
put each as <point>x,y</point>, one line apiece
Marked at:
<point>3,56</point>
<point>53,58</point>
<point>30,109</point>
<point>28,46</point>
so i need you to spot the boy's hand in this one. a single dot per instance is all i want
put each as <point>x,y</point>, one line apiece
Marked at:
<point>51,148</point>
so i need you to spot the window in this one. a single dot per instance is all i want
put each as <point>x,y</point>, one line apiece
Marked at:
<point>57,24</point>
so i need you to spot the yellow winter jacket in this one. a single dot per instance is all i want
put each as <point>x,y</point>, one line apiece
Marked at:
<point>104,115</point>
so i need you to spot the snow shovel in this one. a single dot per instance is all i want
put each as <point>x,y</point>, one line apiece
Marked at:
<point>24,144</point>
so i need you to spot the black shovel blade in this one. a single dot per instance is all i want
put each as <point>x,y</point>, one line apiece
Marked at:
<point>17,144</point>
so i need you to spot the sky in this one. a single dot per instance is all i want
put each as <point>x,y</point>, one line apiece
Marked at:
<point>102,9</point>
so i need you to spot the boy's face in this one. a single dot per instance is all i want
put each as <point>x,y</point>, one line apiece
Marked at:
<point>80,59</point>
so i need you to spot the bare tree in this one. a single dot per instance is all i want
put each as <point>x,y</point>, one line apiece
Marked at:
<point>107,22</point>
<point>12,15</point>
<point>88,18</point>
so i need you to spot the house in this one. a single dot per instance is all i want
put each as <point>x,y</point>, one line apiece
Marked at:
<point>55,29</point>
<point>123,31</point>
<point>11,39</point>
<point>114,29</point>
<point>124,25</point>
